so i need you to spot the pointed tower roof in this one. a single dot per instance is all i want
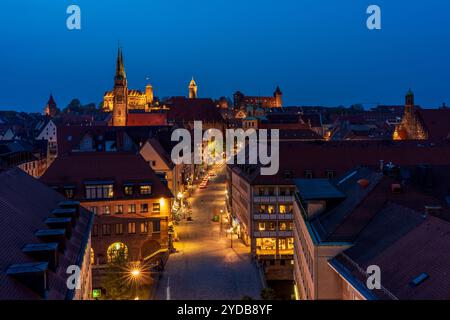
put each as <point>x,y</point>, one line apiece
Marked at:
<point>51,101</point>
<point>278,90</point>
<point>120,68</point>
<point>409,93</point>
<point>192,83</point>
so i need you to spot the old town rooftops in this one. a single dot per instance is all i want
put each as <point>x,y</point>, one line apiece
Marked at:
<point>25,204</point>
<point>409,247</point>
<point>319,157</point>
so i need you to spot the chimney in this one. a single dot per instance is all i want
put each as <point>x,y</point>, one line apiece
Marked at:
<point>45,252</point>
<point>70,213</point>
<point>53,235</point>
<point>32,275</point>
<point>60,223</point>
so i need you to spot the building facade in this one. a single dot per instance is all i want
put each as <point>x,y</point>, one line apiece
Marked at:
<point>131,204</point>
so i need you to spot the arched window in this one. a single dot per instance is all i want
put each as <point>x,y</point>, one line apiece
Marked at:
<point>116,251</point>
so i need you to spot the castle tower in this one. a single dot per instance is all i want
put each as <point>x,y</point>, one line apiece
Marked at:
<point>192,89</point>
<point>278,97</point>
<point>149,93</point>
<point>120,93</point>
<point>50,108</point>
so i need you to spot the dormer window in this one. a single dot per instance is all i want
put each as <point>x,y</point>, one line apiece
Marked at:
<point>69,192</point>
<point>145,189</point>
<point>99,190</point>
<point>128,190</point>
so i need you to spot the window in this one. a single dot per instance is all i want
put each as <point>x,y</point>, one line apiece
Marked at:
<point>156,226</point>
<point>69,192</point>
<point>330,174</point>
<point>271,191</point>
<point>261,226</point>
<point>94,210</point>
<point>144,227</point>
<point>288,174</point>
<point>285,208</point>
<point>95,230</point>
<point>144,207</point>
<point>106,229</point>
<point>99,191</point>
<point>145,189</point>
<point>283,226</point>
<point>128,190</point>
<point>119,209</point>
<point>119,228</point>
<point>131,208</point>
<point>272,226</point>
<point>106,210</point>
<point>156,207</point>
<point>132,227</point>
<point>308,174</point>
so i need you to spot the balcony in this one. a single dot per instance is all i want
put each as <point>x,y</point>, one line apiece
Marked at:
<point>272,234</point>
<point>265,199</point>
<point>264,234</point>
<point>264,216</point>
<point>286,199</point>
<point>285,216</point>
<point>267,216</point>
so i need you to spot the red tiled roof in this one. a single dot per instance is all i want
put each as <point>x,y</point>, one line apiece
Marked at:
<point>77,168</point>
<point>436,122</point>
<point>341,156</point>
<point>24,204</point>
<point>146,119</point>
<point>184,109</point>
<point>404,245</point>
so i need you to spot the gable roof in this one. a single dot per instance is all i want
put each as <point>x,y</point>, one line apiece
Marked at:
<point>78,168</point>
<point>24,205</point>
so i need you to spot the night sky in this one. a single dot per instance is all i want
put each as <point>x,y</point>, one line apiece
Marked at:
<point>318,51</point>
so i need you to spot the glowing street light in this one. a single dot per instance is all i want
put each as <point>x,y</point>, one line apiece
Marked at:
<point>135,273</point>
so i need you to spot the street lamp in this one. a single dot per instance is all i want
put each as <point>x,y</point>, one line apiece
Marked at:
<point>135,273</point>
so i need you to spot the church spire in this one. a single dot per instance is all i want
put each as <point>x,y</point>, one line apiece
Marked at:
<point>120,68</point>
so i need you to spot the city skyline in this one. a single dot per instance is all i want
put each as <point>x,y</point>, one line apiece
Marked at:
<point>324,55</point>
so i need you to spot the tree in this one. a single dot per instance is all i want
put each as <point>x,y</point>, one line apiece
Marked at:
<point>268,294</point>
<point>114,282</point>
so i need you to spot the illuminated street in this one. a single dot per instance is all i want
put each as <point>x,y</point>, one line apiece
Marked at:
<point>205,266</point>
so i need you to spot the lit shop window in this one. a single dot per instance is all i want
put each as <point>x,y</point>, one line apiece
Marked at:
<point>266,243</point>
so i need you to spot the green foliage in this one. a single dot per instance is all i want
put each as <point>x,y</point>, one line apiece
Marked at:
<point>114,282</point>
<point>268,294</point>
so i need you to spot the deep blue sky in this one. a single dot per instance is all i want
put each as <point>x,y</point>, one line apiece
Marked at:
<point>319,51</point>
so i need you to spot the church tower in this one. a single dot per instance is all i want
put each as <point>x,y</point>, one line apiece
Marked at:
<point>120,93</point>
<point>51,109</point>
<point>410,128</point>
<point>192,89</point>
<point>278,97</point>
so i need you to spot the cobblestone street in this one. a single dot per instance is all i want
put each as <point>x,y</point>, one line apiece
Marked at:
<point>205,266</point>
